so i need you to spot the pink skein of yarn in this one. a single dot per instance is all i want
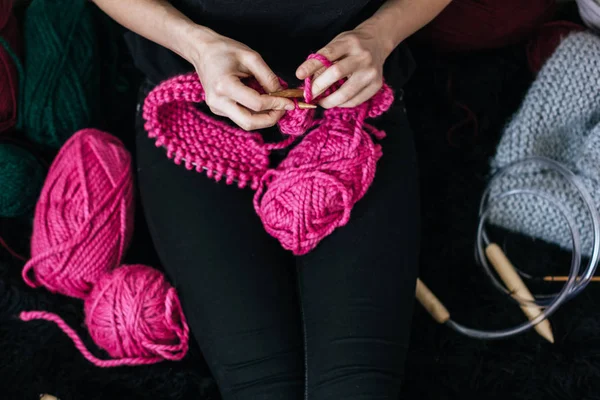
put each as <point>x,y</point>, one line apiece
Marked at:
<point>84,217</point>
<point>83,223</point>
<point>312,192</point>
<point>133,314</point>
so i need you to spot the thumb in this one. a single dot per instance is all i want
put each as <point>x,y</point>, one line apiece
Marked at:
<point>278,103</point>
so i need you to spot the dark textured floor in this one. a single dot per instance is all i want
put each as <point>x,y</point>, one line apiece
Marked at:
<point>36,357</point>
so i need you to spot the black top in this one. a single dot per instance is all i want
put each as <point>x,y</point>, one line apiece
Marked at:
<point>283,32</point>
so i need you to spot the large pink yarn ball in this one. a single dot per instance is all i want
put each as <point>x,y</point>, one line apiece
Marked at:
<point>313,190</point>
<point>133,312</point>
<point>84,217</point>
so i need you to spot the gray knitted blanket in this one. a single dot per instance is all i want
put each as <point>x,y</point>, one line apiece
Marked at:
<point>559,119</point>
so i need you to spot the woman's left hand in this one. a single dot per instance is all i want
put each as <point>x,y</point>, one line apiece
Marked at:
<point>358,55</point>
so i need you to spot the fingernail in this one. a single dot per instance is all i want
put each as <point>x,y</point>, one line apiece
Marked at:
<point>289,107</point>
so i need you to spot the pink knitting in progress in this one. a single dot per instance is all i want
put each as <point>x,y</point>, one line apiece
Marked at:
<point>82,226</point>
<point>312,192</point>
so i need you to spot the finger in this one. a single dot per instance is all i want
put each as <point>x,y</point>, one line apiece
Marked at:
<point>250,121</point>
<point>333,74</point>
<point>345,93</point>
<point>333,51</point>
<point>362,96</point>
<point>251,99</point>
<point>261,71</point>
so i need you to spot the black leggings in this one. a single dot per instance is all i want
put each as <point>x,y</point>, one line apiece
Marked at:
<point>333,324</point>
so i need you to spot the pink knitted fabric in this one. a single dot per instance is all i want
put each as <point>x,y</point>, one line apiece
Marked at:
<point>9,81</point>
<point>133,314</point>
<point>84,216</point>
<point>311,192</point>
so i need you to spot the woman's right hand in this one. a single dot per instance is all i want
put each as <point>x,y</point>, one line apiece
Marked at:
<point>221,63</point>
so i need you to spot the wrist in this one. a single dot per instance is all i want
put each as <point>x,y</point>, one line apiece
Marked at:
<point>192,39</point>
<point>383,35</point>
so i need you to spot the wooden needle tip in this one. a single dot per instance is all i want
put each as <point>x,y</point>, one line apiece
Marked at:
<point>304,106</point>
<point>547,334</point>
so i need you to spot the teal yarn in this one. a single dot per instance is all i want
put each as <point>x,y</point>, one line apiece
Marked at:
<point>21,179</point>
<point>61,85</point>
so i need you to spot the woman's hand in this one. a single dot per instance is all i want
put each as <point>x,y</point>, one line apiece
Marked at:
<point>358,55</point>
<point>221,63</point>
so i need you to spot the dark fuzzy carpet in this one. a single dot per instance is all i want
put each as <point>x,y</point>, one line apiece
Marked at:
<point>37,358</point>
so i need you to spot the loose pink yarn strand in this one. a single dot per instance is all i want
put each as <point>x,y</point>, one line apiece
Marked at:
<point>42,315</point>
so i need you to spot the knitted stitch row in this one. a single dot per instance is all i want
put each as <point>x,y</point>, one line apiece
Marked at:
<point>311,192</point>
<point>559,119</point>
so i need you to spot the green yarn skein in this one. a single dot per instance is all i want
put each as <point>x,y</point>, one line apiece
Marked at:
<point>21,180</point>
<point>61,82</point>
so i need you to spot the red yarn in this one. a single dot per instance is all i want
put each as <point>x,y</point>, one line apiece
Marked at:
<point>312,192</point>
<point>133,314</point>
<point>84,216</point>
<point>8,72</point>
<point>547,38</point>
<point>468,25</point>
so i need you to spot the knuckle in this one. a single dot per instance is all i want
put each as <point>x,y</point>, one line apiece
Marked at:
<point>371,74</point>
<point>354,41</point>
<point>343,98</point>
<point>367,57</point>
<point>247,124</point>
<point>255,104</point>
<point>210,100</point>
<point>252,57</point>
<point>378,82</point>
<point>220,87</point>
<point>272,79</point>
<point>326,51</point>
<point>337,71</point>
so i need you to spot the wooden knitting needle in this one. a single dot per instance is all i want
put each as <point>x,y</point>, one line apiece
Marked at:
<point>566,278</point>
<point>294,94</point>
<point>434,307</point>
<point>517,287</point>
<point>289,93</point>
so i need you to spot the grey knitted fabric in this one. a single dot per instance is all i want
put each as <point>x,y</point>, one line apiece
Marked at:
<point>559,119</point>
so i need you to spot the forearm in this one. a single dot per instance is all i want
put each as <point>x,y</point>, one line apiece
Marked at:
<point>396,20</point>
<point>160,22</point>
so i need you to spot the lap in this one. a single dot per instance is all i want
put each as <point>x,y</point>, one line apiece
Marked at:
<point>357,286</point>
<point>240,293</point>
<point>236,283</point>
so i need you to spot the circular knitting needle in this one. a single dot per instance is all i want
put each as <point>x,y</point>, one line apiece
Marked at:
<point>566,278</point>
<point>515,284</point>
<point>431,303</point>
<point>294,94</point>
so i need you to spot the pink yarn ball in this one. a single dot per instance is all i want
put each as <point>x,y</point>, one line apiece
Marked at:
<point>313,190</point>
<point>133,312</point>
<point>84,218</point>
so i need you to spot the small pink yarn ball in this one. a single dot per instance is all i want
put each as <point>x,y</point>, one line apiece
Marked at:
<point>133,312</point>
<point>84,217</point>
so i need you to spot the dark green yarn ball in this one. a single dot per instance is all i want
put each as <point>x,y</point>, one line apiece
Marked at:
<point>61,79</point>
<point>21,180</point>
